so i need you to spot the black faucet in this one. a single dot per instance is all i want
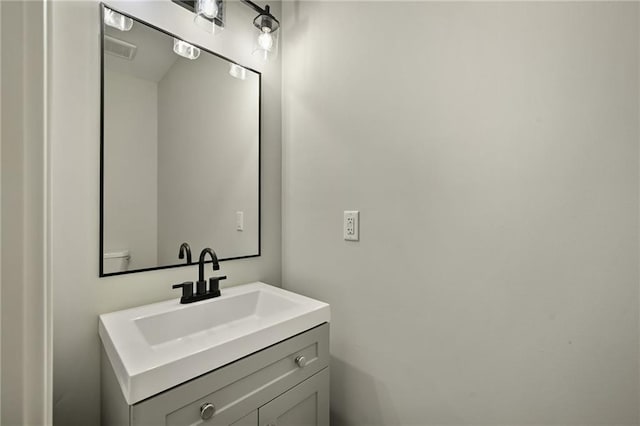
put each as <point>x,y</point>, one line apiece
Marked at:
<point>214,262</point>
<point>184,247</point>
<point>202,292</point>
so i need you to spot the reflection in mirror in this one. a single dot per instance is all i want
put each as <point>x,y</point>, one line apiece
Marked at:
<point>180,151</point>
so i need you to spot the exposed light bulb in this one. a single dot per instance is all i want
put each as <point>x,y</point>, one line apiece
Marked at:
<point>265,41</point>
<point>117,20</point>
<point>209,15</point>
<point>208,8</point>
<point>185,49</point>
<point>265,44</point>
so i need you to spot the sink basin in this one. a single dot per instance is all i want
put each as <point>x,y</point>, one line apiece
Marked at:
<point>155,347</point>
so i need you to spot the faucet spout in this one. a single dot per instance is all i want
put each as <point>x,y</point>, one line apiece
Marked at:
<point>214,260</point>
<point>184,248</point>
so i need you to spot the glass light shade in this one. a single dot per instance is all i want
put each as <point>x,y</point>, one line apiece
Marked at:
<point>185,49</point>
<point>208,8</point>
<point>117,20</point>
<point>237,71</point>
<point>265,44</point>
<point>210,15</point>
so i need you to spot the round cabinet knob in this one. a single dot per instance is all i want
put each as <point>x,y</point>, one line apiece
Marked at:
<point>301,361</point>
<point>207,410</point>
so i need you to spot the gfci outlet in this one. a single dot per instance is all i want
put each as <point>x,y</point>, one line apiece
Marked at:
<point>351,225</point>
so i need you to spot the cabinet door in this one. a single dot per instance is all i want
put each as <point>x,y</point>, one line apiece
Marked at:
<point>306,404</point>
<point>250,419</point>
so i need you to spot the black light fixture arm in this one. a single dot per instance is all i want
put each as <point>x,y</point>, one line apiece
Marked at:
<point>191,4</point>
<point>255,6</point>
<point>263,13</point>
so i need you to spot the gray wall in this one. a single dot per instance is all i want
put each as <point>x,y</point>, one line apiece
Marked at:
<point>79,296</point>
<point>492,149</point>
<point>24,311</point>
<point>24,314</point>
<point>131,175</point>
<point>12,176</point>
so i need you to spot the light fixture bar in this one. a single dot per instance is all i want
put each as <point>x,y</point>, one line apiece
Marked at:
<point>191,5</point>
<point>253,6</point>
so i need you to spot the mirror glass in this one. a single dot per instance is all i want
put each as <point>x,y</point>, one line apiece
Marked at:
<point>180,158</point>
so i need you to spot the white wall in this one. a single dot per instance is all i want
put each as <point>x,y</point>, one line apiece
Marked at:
<point>1,137</point>
<point>79,295</point>
<point>25,388</point>
<point>492,149</point>
<point>12,154</point>
<point>131,172</point>
<point>207,159</point>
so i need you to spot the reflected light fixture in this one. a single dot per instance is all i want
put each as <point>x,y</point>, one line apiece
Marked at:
<point>185,49</point>
<point>210,15</point>
<point>266,41</point>
<point>117,20</point>
<point>237,71</point>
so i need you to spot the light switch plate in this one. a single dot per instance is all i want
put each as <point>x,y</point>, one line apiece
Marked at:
<point>239,221</point>
<point>351,225</point>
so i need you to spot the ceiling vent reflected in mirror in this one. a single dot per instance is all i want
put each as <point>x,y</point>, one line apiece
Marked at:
<point>119,48</point>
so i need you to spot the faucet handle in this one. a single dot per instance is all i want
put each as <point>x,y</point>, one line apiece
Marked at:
<point>187,290</point>
<point>214,285</point>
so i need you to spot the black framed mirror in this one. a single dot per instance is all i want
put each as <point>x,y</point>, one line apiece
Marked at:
<point>180,150</point>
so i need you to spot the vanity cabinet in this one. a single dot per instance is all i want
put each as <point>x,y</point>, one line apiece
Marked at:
<point>304,404</point>
<point>284,384</point>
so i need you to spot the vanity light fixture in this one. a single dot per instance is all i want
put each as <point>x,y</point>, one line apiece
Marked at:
<point>117,20</point>
<point>185,49</point>
<point>210,15</point>
<point>237,71</point>
<point>266,41</point>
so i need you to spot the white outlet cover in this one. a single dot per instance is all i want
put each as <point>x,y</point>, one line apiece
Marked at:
<point>351,225</point>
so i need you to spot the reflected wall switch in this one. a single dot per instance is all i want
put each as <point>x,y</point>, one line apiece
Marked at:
<point>351,225</point>
<point>239,221</point>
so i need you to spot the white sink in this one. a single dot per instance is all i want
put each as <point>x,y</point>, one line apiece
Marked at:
<point>155,347</point>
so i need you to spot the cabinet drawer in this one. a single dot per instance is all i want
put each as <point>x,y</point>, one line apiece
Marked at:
<point>237,388</point>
